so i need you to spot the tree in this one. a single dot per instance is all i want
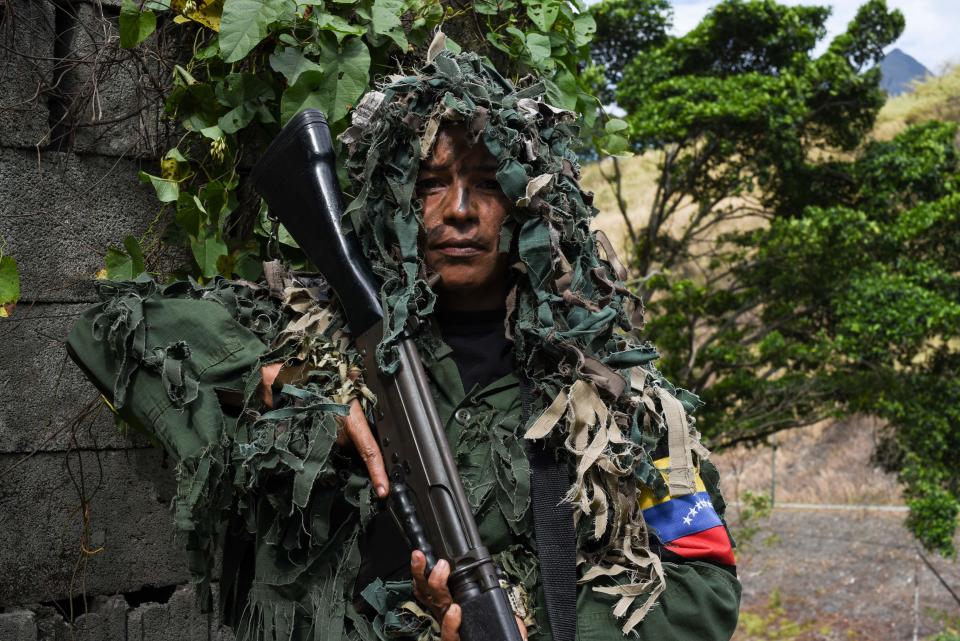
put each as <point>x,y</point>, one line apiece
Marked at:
<point>625,29</point>
<point>794,269</point>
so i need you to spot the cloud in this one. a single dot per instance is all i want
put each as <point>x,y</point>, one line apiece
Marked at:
<point>930,35</point>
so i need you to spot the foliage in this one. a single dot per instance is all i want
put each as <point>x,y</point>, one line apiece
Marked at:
<point>9,283</point>
<point>794,269</point>
<point>754,507</point>
<point>645,20</point>
<point>255,63</point>
<point>773,624</point>
<point>948,622</point>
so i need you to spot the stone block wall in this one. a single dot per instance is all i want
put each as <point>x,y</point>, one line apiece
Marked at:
<point>87,548</point>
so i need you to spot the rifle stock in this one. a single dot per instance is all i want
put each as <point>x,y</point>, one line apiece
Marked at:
<point>297,179</point>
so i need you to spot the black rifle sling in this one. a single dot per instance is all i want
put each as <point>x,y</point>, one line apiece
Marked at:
<point>554,531</point>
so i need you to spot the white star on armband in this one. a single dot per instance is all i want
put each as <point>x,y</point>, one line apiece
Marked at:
<point>687,520</point>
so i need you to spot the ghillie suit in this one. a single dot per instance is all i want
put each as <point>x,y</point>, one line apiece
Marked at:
<point>291,506</point>
<point>569,314</point>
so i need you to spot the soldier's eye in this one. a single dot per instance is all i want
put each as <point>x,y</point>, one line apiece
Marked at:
<point>428,184</point>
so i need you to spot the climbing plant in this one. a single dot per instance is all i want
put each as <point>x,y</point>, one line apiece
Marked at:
<point>253,64</point>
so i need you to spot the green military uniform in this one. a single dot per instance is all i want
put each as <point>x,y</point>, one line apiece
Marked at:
<point>169,354</point>
<point>701,600</point>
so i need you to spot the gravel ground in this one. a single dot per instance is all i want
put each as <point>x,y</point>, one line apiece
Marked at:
<point>841,574</point>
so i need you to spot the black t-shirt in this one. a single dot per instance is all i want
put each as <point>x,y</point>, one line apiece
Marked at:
<point>479,343</point>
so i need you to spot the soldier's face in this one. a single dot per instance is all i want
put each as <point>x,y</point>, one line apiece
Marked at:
<point>463,211</point>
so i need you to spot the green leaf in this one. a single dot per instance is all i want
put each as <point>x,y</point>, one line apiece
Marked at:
<point>562,91</point>
<point>167,190</point>
<point>211,50</point>
<point>207,251</point>
<point>190,213</point>
<point>543,14</point>
<point>386,21</point>
<point>213,133</point>
<point>136,254</point>
<point>338,26</point>
<point>219,200</point>
<point>290,62</point>
<point>615,144</point>
<point>244,24</point>
<point>584,28</point>
<point>486,7</point>
<point>614,125</point>
<point>9,285</point>
<point>538,45</point>
<point>195,106</point>
<point>333,90</point>
<point>174,154</point>
<point>247,265</point>
<point>119,265</point>
<point>285,238</point>
<point>135,25</point>
<point>249,96</point>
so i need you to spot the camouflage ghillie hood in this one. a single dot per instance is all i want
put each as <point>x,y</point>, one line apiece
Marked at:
<point>394,129</point>
<point>600,399</point>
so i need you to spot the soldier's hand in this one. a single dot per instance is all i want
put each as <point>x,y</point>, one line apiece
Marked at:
<point>432,592</point>
<point>435,594</point>
<point>352,428</point>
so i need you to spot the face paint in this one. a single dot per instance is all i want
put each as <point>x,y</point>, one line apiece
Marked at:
<point>463,211</point>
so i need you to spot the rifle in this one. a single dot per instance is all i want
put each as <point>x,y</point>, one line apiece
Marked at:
<point>297,178</point>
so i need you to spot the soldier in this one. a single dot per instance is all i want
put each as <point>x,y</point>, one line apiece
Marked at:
<point>464,181</point>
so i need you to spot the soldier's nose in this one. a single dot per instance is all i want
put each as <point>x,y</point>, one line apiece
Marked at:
<point>458,207</point>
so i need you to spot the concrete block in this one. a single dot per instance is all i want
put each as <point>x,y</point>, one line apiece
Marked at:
<point>27,64</point>
<point>59,213</point>
<point>45,392</point>
<point>105,620</point>
<point>54,545</point>
<point>115,95</point>
<point>18,625</point>
<point>51,625</point>
<point>179,618</point>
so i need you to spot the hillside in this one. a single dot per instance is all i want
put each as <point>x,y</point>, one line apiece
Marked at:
<point>937,98</point>
<point>900,71</point>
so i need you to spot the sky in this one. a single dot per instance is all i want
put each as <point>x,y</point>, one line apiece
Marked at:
<point>932,34</point>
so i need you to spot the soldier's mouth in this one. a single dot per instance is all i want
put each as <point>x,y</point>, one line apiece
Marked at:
<point>461,251</point>
<point>460,247</point>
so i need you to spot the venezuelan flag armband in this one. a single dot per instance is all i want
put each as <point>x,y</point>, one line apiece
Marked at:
<point>688,526</point>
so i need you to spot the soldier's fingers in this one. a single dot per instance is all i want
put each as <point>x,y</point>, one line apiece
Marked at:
<point>268,374</point>
<point>418,564</point>
<point>437,584</point>
<point>450,627</point>
<point>358,431</point>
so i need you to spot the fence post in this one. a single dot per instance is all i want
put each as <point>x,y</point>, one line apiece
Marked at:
<point>773,471</point>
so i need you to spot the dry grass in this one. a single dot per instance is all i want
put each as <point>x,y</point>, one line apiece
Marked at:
<point>640,186</point>
<point>825,463</point>
<point>937,98</point>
